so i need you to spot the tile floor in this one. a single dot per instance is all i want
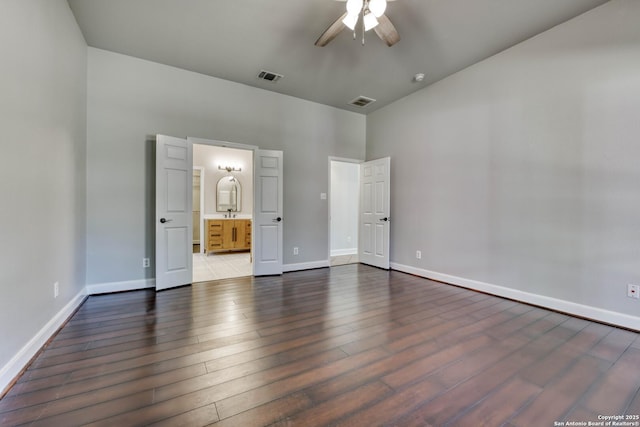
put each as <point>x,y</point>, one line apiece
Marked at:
<point>221,266</point>
<point>344,259</point>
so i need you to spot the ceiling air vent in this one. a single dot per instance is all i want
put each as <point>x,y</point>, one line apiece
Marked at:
<point>269,76</point>
<point>362,101</point>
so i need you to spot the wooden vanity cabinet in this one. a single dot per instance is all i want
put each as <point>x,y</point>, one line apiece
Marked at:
<point>228,234</point>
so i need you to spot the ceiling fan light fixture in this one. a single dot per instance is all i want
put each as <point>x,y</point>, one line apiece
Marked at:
<point>350,21</point>
<point>370,21</point>
<point>354,6</point>
<point>377,7</point>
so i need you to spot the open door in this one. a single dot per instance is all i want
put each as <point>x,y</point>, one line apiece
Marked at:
<point>373,248</point>
<point>174,175</point>
<point>267,207</point>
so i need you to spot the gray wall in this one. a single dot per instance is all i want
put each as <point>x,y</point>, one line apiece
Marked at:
<point>131,100</point>
<point>42,166</point>
<point>522,171</point>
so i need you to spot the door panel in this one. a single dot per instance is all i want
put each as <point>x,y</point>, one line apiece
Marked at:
<point>173,212</point>
<point>176,197</point>
<point>269,252</point>
<point>269,194</point>
<point>176,240</point>
<point>366,239</point>
<point>268,203</point>
<point>374,212</point>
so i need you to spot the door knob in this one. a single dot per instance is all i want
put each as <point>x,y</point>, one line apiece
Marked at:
<point>163,220</point>
<point>277,219</point>
<point>385,219</point>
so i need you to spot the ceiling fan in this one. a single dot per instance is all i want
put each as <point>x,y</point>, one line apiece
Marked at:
<point>371,13</point>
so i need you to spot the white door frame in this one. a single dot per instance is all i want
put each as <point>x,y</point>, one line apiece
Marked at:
<point>344,160</point>
<point>201,219</point>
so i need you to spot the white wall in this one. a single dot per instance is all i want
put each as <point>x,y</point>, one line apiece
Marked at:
<point>42,174</point>
<point>209,157</point>
<point>344,197</point>
<point>131,100</point>
<point>522,171</point>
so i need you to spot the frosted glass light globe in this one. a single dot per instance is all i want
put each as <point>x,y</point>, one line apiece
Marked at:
<point>377,7</point>
<point>354,6</point>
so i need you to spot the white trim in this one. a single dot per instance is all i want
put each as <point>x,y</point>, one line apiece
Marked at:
<point>227,144</point>
<point>305,266</point>
<point>20,360</point>
<point>586,311</point>
<point>344,160</point>
<point>340,252</point>
<point>129,285</point>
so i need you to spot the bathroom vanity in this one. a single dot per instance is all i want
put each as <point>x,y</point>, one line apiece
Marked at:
<point>228,234</point>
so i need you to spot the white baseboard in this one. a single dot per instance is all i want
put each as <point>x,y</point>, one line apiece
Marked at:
<point>305,266</point>
<point>586,311</point>
<point>18,362</point>
<point>129,285</point>
<point>341,252</point>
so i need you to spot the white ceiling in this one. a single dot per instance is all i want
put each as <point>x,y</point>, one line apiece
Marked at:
<point>235,39</point>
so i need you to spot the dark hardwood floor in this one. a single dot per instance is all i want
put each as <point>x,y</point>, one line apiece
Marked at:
<point>350,345</point>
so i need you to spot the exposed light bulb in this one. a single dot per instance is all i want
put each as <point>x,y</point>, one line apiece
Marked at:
<point>354,6</point>
<point>370,21</point>
<point>350,21</point>
<point>377,7</point>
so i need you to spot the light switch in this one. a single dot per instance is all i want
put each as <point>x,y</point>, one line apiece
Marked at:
<point>323,196</point>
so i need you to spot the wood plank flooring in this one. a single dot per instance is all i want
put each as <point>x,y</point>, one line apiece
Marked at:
<point>346,346</point>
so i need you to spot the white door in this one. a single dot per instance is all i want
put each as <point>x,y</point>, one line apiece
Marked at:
<point>373,248</point>
<point>174,178</point>
<point>268,221</point>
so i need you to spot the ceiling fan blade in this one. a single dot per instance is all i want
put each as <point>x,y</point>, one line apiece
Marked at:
<point>331,32</point>
<point>386,31</point>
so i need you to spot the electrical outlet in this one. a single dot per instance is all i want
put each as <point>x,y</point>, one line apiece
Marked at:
<point>633,291</point>
<point>146,262</point>
<point>419,254</point>
<point>56,289</point>
<point>295,250</point>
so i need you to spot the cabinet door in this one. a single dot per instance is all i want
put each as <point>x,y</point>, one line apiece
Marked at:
<point>228,234</point>
<point>240,225</point>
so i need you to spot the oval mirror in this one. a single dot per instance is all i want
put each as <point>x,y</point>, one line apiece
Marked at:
<point>228,194</point>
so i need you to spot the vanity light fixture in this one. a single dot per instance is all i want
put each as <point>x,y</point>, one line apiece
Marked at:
<point>229,168</point>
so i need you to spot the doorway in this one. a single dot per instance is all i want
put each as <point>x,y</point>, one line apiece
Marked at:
<point>344,196</point>
<point>174,209</point>
<point>215,260</point>
<point>198,202</point>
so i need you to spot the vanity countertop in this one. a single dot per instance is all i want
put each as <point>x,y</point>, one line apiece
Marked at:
<point>221,216</point>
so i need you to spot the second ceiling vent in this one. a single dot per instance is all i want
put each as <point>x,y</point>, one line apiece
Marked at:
<point>269,76</point>
<point>362,101</point>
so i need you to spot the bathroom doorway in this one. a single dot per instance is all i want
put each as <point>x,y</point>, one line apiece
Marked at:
<point>215,258</point>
